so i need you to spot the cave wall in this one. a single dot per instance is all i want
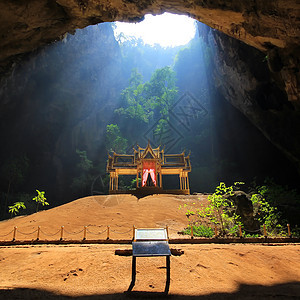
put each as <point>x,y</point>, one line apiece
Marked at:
<point>244,78</point>
<point>272,27</point>
<point>60,100</point>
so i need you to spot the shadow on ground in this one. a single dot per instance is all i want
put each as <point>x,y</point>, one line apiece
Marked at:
<point>290,290</point>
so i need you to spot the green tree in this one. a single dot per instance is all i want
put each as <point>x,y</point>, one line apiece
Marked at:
<point>143,101</point>
<point>162,91</point>
<point>136,104</point>
<point>114,140</point>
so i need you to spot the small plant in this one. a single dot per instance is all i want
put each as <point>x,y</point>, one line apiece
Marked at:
<point>296,232</point>
<point>14,209</point>
<point>200,231</point>
<point>133,183</point>
<point>266,58</point>
<point>251,235</point>
<point>40,198</point>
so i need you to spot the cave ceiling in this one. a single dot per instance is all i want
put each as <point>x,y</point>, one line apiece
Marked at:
<point>26,25</point>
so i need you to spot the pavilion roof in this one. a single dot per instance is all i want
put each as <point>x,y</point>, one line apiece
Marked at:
<point>170,161</point>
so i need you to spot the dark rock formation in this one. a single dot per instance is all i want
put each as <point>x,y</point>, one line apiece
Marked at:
<point>245,79</point>
<point>244,208</point>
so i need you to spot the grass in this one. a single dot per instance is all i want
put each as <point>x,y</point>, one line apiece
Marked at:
<point>199,231</point>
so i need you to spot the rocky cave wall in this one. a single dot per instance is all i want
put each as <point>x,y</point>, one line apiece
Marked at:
<point>272,27</point>
<point>58,101</point>
<point>244,78</point>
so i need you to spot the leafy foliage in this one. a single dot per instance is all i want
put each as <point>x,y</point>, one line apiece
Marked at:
<point>265,213</point>
<point>40,199</point>
<point>220,211</point>
<point>200,231</point>
<point>136,105</point>
<point>133,183</point>
<point>162,91</point>
<point>143,101</point>
<point>84,163</point>
<point>14,209</point>
<point>114,140</point>
<point>267,199</point>
<point>277,194</point>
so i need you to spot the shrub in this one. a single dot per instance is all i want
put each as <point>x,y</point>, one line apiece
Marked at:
<point>219,212</point>
<point>14,209</point>
<point>200,231</point>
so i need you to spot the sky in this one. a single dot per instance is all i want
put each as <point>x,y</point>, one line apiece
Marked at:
<point>168,30</point>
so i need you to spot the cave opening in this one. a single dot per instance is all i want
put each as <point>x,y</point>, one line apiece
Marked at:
<point>81,97</point>
<point>166,30</point>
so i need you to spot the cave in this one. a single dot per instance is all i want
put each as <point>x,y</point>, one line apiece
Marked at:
<point>256,72</point>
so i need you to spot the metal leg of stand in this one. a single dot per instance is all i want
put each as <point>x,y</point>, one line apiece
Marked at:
<point>168,274</point>
<point>133,273</point>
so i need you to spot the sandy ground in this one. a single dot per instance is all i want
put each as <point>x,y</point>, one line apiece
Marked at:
<point>236,271</point>
<point>120,212</point>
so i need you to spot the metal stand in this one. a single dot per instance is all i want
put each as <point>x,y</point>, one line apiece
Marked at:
<point>133,274</point>
<point>150,243</point>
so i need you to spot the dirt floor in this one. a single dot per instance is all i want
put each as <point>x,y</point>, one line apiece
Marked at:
<point>92,271</point>
<point>120,212</point>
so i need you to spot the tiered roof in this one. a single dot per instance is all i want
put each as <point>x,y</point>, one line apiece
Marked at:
<point>166,161</point>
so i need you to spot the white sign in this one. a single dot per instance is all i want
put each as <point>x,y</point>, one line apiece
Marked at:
<point>152,234</point>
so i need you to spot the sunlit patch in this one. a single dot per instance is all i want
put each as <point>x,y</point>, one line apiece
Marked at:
<point>167,30</point>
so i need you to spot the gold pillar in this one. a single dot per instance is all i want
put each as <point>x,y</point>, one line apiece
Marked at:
<point>113,181</point>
